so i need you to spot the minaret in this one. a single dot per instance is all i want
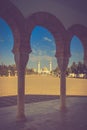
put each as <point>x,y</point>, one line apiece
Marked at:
<point>50,66</point>
<point>39,71</point>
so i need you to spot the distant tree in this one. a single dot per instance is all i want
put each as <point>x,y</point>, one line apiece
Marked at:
<point>74,68</point>
<point>80,67</point>
<point>56,71</point>
<point>84,69</point>
<point>77,69</point>
<point>12,69</point>
<point>68,71</point>
<point>30,71</point>
<point>3,70</point>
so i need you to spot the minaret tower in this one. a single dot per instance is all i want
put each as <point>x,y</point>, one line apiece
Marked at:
<point>50,66</point>
<point>39,71</point>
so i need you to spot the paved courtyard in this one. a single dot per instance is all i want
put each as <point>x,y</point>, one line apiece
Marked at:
<point>42,104</point>
<point>46,115</point>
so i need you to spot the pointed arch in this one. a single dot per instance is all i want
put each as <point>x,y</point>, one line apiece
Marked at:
<point>81,32</point>
<point>50,22</point>
<point>15,20</point>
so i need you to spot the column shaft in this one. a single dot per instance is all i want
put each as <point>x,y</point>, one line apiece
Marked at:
<point>63,91</point>
<point>21,60</point>
<point>62,63</point>
<point>20,96</point>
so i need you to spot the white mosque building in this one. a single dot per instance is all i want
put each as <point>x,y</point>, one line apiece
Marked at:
<point>44,70</point>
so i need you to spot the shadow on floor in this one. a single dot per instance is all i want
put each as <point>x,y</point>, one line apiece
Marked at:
<point>12,100</point>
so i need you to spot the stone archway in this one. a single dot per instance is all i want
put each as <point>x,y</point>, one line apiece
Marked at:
<point>22,29</point>
<point>50,22</point>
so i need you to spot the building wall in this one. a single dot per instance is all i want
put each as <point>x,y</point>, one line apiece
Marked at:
<point>67,12</point>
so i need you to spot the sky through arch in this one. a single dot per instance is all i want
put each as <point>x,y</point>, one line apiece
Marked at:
<point>77,50</point>
<point>6,43</point>
<point>43,47</point>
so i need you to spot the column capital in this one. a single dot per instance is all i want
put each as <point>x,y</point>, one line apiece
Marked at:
<point>21,42</point>
<point>62,63</point>
<point>21,59</point>
<point>21,49</point>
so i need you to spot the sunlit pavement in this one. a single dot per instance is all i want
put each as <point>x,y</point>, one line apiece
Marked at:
<point>46,115</point>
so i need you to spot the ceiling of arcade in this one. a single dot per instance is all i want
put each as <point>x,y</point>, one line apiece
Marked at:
<point>68,12</point>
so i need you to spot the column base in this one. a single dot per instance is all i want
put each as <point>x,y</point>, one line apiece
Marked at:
<point>20,118</point>
<point>63,108</point>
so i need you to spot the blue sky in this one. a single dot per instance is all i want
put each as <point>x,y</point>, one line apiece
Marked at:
<point>42,45</point>
<point>6,43</point>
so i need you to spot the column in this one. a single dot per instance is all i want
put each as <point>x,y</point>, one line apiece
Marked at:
<point>85,56</point>
<point>62,63</point>
<point>21,60</point>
